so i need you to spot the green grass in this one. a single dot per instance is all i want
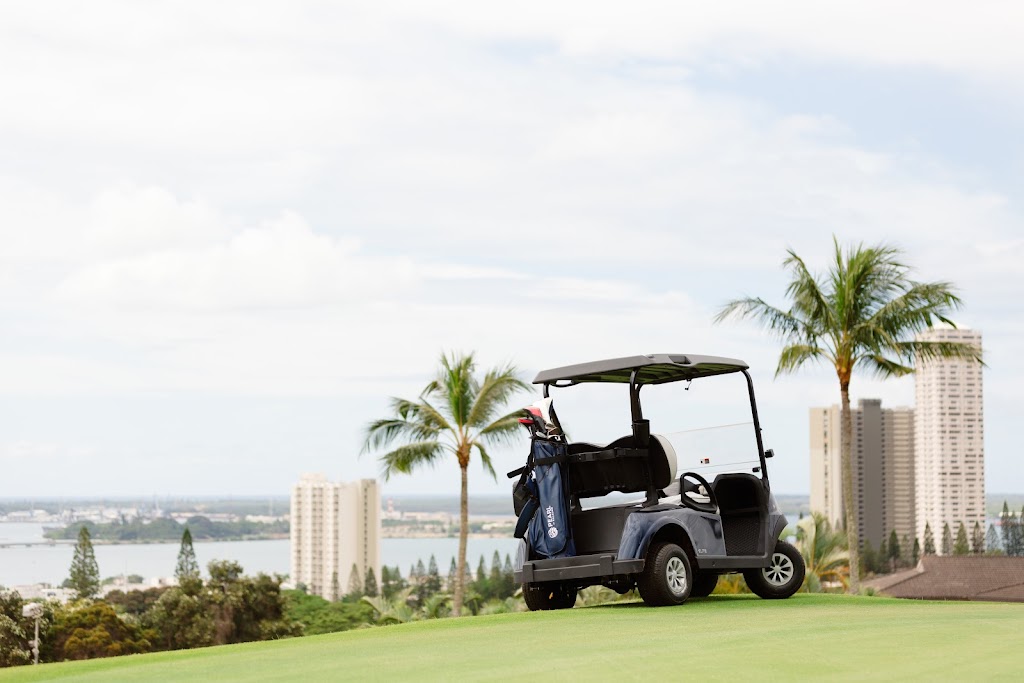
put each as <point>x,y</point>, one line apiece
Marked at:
<point>718,638</point>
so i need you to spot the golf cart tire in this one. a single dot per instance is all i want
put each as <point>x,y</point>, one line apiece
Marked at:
<point>659,583</point>
<point>704,583</point>
<point>548,595</point>
<point>786,583</point>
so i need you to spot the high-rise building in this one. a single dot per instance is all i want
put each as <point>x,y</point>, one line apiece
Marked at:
<point>949,439</point>
<point>335,530</point>
<point>883,468</point>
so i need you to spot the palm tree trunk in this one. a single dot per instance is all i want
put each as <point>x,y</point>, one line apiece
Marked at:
<point>849,502</point>
<point>460,572</point>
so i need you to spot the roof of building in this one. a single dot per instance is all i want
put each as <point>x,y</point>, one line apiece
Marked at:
<point>957,578</point>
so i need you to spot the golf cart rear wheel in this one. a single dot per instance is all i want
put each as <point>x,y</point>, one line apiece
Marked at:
<point>780,579</point>
<point>703,584</point>
<point>667,578</point>
<point>548,595</point>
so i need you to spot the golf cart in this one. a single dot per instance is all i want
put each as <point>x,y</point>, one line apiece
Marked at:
<point>685,531</point>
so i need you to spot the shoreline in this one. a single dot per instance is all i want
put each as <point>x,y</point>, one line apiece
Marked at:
<point>236,539</point>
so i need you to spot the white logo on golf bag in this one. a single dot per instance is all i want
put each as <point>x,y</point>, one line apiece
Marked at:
<point>549,515</point>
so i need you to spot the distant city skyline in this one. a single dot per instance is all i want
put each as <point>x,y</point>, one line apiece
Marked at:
<point>226,243</point>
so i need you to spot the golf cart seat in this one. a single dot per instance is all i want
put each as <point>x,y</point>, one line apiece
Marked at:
<point>742,503</point>
<point>620,466</point>
<point>738,493</point>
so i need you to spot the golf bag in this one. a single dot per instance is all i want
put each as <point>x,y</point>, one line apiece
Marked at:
<point>543,488</point>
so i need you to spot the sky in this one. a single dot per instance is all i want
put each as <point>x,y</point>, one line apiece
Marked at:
<point>230,231</point>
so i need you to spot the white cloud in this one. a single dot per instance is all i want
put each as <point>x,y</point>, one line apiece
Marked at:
<point>33,451</point>
<point>281,263</point>
<point>27,450</point>
<point>125,221</point>
<point>316,200</point>
<point>980,39</point>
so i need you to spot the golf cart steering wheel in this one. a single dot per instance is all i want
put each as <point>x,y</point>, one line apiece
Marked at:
<point>685,487</point>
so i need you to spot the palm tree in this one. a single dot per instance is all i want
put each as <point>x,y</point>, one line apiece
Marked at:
<point>455,414</point>
<point>392,611</point>
<point>435,606</point>
<point>824,550</point>
<point>863,314</point>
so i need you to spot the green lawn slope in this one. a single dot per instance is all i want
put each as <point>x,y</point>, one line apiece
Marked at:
<point>719,638</point>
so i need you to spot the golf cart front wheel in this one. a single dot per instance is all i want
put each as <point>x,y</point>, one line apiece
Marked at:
<point>548,595</point>
<point>667,578</point>
<point>782,577</point>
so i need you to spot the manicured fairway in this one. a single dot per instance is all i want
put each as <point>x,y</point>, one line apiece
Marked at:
<point>720,638</point>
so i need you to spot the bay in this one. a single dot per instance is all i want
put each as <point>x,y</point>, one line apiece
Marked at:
<point>21,565</point>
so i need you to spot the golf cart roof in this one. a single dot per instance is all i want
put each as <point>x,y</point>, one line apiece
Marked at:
<point>657,368</point>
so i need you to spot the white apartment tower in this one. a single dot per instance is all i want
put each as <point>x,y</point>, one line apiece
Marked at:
<point>335,526</point>
<point>950,439</point>
<point>883,468</point>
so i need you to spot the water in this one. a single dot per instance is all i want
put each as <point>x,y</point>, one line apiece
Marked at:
<point>49,564</point>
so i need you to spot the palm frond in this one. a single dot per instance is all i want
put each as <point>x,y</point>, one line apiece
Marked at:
<point>499,385</point>
<point>503,430</point>
<point>863,280</point>
<point>824,550</point>
<point>918,307</point>
<point>455,382</point>
<point>805,292</point>
<point>421,411</point>
<point>781,323</point>
<point>916,350</point>
<point>406,458</point>
<point>795,355</point>
<point>485,459</point>
<point>883,367</point>
<point>921,304</point>
<point>386,431</point>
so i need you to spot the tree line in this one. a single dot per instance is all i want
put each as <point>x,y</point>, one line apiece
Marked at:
<point>895,553</point>
<point>230,607</point>
<point>166,529</point>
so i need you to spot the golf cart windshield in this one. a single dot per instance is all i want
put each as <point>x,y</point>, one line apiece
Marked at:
<point>710,451</point>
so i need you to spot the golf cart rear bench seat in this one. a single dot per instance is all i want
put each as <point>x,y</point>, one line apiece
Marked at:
<point>579,567</point>
<point>619,466</point>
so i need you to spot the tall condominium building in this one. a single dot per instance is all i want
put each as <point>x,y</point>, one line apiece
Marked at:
<point>883,468</point>
<point>950,440</point>
<point>335,530</point>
